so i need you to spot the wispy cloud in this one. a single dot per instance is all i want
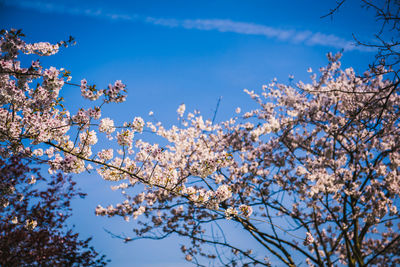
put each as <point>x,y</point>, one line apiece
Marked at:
<point>222,25</point>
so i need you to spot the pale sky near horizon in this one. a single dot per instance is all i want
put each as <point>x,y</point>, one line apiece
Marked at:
<point>173,52</point>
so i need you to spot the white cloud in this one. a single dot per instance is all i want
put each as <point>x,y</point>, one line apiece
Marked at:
<point>222,25</point>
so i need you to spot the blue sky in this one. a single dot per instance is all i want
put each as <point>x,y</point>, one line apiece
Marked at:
<point>173,52</point>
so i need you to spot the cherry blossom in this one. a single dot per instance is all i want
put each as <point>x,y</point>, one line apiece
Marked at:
<point>322,156</point>
<point>33,227</point>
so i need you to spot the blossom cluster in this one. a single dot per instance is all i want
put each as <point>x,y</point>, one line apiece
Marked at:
<point>41,48</point>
